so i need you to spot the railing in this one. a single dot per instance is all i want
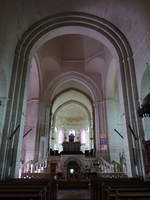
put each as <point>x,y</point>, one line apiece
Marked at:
<point>31,168</point>
<point>93,166</point>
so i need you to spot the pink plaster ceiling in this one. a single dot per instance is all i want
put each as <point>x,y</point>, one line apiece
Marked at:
<point>74,52</point>
<point>71,47</point>
<point>68,48</point>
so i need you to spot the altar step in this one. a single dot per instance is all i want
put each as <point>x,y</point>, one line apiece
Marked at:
<point>73,190</point>
<point>73,194</point>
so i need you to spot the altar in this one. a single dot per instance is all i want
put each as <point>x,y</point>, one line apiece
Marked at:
<point>71,147</point>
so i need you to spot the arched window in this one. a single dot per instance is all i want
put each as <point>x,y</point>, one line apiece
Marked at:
<point>61,136</point>
<point>72,132</point>
<point>82,136</point>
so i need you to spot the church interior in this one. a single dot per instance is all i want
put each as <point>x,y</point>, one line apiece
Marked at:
<point>75,100</point>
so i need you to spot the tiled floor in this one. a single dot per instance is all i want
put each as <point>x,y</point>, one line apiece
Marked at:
<point>73,194</point>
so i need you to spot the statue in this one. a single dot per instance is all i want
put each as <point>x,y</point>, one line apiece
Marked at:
<point>71,138</point>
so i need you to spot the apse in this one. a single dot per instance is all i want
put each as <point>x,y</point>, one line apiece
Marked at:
<point>71,115</point>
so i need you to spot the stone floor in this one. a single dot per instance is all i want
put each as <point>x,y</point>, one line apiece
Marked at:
<point>73,194</point>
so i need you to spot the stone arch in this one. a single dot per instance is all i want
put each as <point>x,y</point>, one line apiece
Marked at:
<point>103,30</point>
<point>53,98</point>
<point>72,158</point>
<point>75,102</point>
<point>75,160</point>
<point>82,79</point>
<point>69,89</point>
<point>87,105</point>
<point>95,96</point>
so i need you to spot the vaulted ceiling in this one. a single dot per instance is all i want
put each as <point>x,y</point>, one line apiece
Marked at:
<point>74,52</point>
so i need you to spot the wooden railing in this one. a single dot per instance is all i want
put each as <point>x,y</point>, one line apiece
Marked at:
<point>30,168</point>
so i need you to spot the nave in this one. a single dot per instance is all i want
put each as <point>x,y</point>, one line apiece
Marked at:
<point>75,100</point>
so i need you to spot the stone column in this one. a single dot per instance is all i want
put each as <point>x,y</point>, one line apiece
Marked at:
<point>47,128</point>
<point>103,126</point>
<point>97,128</point>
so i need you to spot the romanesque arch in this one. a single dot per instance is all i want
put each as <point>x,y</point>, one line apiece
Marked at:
<point>50,27</point>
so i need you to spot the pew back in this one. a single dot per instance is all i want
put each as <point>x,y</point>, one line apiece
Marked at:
<point>27,189</point>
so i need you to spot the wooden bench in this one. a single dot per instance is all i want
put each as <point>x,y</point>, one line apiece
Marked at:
<point>120,189</point>
<point>27,189</point>
<point>125,190</point>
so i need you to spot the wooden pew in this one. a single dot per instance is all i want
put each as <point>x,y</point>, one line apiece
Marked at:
<point>125,190</point>
<point>27,189</point>
<point>120,189</point>
<point>128,193</point>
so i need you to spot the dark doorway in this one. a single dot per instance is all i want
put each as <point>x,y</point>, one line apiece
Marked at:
<point>73,170</point>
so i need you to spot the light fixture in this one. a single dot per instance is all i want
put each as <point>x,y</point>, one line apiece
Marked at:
<point>71,171</point>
